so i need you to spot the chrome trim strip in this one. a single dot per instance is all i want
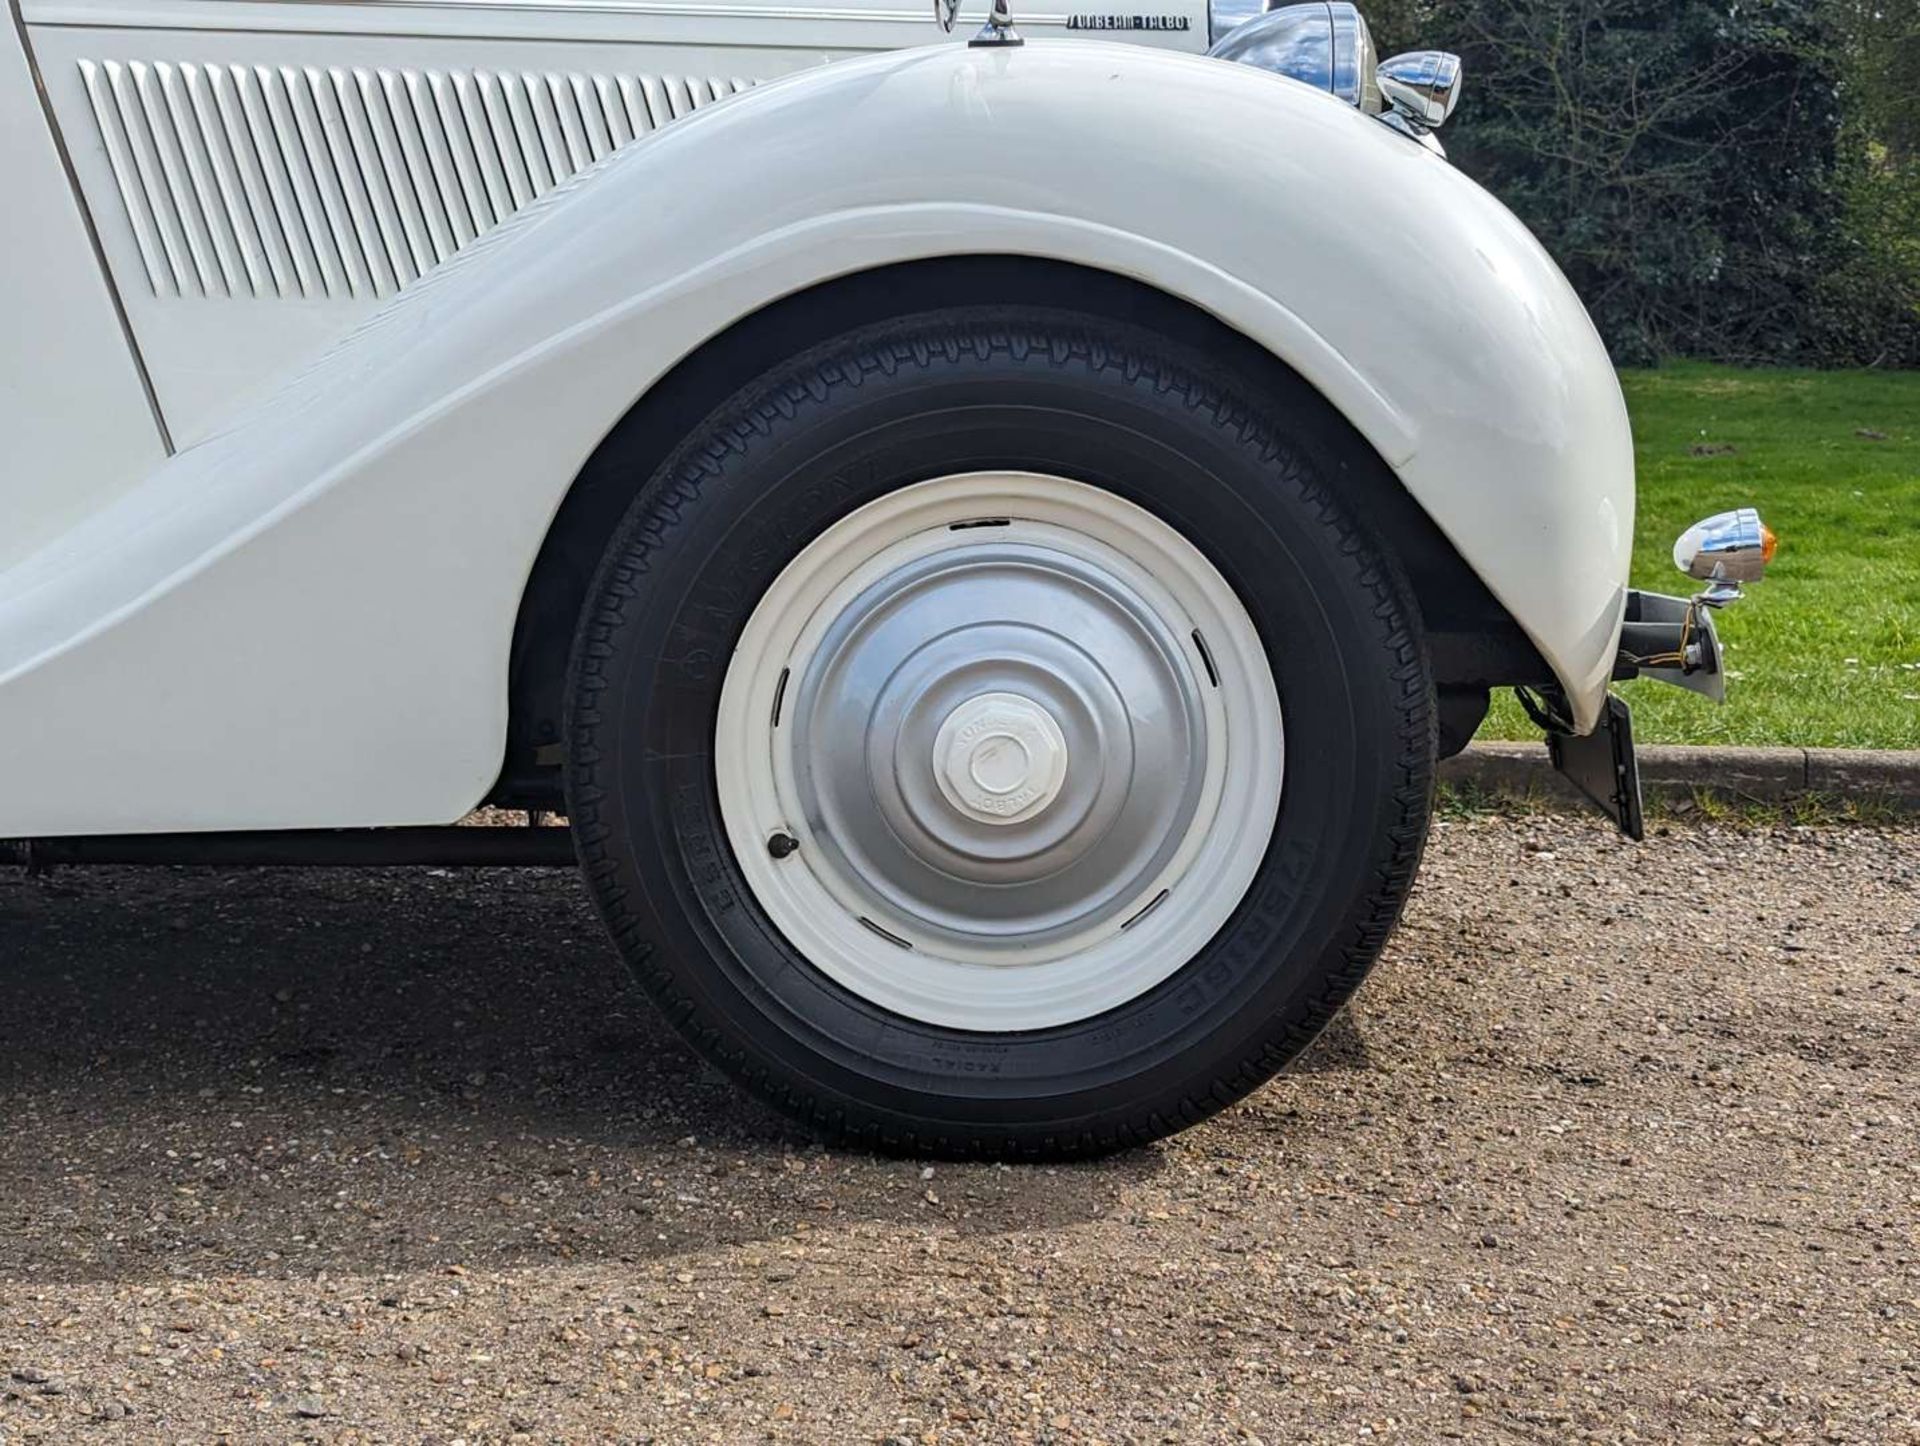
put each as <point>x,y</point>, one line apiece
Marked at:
<point>226,14</point>
<point>15,12</point>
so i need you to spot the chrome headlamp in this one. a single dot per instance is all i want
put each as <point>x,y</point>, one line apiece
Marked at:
<point>1326,44</point>
<point>1224,15</point>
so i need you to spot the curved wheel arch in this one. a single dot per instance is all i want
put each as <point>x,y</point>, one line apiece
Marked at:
<point>1453,599</point>
<point>435,444</point>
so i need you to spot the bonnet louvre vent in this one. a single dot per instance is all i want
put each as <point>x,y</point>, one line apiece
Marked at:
<point>308,181</point>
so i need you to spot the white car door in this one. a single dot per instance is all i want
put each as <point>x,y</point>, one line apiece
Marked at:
<point>263,173</point>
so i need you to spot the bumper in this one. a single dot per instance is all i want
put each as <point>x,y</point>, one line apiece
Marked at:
<point>1671,640</point>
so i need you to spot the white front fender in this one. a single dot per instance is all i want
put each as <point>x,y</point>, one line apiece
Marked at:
<point>305,620</point>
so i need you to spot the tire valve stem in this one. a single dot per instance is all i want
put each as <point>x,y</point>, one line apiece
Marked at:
<point>782,844</point>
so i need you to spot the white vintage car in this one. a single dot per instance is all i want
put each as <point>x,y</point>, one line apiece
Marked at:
<point>983,542</point>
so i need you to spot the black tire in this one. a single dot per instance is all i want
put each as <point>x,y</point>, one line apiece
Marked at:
<point>1251,473</point>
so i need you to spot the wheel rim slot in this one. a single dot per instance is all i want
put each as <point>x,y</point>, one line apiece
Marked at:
<point>1155,902</point>
<point>780,694</point>
<point>889,936</point>
<point>1206,657</point>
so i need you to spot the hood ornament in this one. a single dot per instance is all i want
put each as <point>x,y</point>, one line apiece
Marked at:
<point>997,31</point>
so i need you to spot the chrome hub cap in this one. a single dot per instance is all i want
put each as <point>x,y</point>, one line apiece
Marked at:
<point>1025,737</point>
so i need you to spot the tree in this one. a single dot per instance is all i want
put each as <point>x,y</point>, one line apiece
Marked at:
<point>1881,43</point>
<point>1680,158</point>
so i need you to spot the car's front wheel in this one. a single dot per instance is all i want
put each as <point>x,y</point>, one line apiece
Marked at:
<point>990,733</point>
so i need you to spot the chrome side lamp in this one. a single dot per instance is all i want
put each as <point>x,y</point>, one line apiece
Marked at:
<point>1421,88</point>
<point>1725,550</point>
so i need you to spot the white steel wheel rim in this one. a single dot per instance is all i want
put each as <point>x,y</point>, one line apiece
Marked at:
<point>1025,739</point>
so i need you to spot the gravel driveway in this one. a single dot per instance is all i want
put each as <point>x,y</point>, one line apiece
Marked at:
<point>1619,1144</point>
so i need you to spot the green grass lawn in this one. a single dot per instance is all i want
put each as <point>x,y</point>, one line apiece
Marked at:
<point>1826,651</point>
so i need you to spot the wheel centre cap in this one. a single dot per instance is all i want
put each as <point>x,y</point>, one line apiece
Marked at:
<point>1000,758</point>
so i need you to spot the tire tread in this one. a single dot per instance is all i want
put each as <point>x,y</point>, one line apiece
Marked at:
<point>848,362</point>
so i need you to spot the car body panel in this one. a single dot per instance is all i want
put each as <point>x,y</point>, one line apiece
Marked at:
<point>304,620</point>
<point>265,173</point>
<point>75,422</point>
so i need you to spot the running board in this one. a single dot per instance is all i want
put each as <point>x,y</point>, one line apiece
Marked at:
<point>444,847</point>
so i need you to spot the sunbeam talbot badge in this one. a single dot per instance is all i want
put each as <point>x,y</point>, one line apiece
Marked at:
<point>1129,22</point>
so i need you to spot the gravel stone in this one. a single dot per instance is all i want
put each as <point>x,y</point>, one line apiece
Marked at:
<point>1617,1145</point>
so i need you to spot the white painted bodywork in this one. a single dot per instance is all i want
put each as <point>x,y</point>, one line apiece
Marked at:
<point>303,619</point>
<point>321,154</point>
<point>75,425</point>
